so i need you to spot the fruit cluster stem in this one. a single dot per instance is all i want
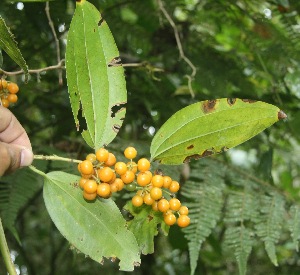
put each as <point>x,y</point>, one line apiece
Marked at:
<point>54,157</point>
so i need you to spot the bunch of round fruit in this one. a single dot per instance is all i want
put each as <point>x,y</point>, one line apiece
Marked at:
<point>102,175</point>
<point>8,91</point>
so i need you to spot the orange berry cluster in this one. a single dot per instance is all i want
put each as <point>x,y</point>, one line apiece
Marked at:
<point>102,175</point>
<point>8,91</point>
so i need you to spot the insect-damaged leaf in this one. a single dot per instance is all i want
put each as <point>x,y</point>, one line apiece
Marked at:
<point>95,76</point>
<point>209,127</point>
<point>9,45</point>
<point>97,228</point>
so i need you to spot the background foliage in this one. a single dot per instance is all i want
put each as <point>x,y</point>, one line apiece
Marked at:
<point>245,49</point>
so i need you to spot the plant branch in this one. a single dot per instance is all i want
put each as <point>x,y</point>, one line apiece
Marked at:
<point>180,48</point>
<point>5,252</point>
<point>37,71</point>
<point>47,10</point>
<point>54,157</point>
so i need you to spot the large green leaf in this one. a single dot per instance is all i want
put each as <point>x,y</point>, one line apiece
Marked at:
<point>144,226</point>
<point>9,45</point>
<point>209,127</point>
<point>95,76</point>
<point>95,228</point>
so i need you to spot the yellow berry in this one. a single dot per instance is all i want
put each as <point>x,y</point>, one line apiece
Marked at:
<point>137,200</point>
<point>130,153</point>
<point>143,165</point>
<point>183,221</point>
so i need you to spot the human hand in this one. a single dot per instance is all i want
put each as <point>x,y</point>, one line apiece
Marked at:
<point>15,147</point>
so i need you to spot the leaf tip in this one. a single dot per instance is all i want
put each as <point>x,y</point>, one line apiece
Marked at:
<point>281,115</point>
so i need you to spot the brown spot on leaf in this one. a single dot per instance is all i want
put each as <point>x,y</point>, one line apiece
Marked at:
<point>100,22</point>
<point>208,106</point>
<point>281,115</point>
<point>195,156</point>
<point>158,172</point>
<point>224,149</point>
<point>206,153</point>
<point>116,128</point>
<point>150,218</point>
<point>115,62</point>
<point>231,101</point>
<point>249,100</point>
<point>190,147</point>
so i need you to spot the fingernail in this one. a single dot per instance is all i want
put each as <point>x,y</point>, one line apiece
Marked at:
<point>26,157</point>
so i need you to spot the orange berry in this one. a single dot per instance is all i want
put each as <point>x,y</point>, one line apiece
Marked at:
<point>137,200</point>
<point>120,168</point>
<point>87,176</point>
<point>119,183</point>
<point>90,186</point>
<point>163,205</point>
<point>154,206</point>
<point>5,102</point>
<point>128,177</point>
<point>82,181</point>
<point>143,179</point>
<point>91,157</point>
<point>111,160</point>
<point>86,167</point>
<point>157,181</point>
<point>102,155</point>
<point>3,84</point>
<point>183,210</point>
<point>167,181</point>
<point>130,153</point>
<point>156,193</point>
<point>114,187</point>
<point>143,164</point>
<point>132,166</point>
<point>183,221</point>
<point>104,190</point>
<point>13,88</point>
<point>170,219</point>
<point>105,174</point>
<point>174,186</point>
<point>148,200</point>
<point>113,178</point>
<point>175,204</point>
<point>88,196</point>
<point>12,98</point>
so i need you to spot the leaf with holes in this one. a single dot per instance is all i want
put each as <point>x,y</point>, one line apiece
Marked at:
<point>210,127</point>
<point>97,228</point>
<point>95,76</point>
<point>9,45</point>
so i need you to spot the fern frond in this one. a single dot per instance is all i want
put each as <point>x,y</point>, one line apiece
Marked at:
<point>241,208</point>
<point>20,187</point>
<point>294,225</point>
<point>204,199</point>
<point>239,239</point>
<point>269,224</point>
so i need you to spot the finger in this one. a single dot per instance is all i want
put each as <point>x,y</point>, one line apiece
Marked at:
<point>11,131</point>
<point>13,157</point>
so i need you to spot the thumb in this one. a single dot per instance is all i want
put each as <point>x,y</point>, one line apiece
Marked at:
<point>13,157</point>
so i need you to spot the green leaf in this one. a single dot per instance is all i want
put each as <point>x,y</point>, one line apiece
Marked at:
<point>1,59</point>
<point>210,127</point>
<point>95,76</point>
<point>97,228</point>
<point>9,45</point>
<point>144,226</point>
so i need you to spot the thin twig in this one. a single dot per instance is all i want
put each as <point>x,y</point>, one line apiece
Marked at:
<point>47,10</point>
<point>36,71</point>
<point>5,252</point>
<point>54,157</point>
<point>180,48</point>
